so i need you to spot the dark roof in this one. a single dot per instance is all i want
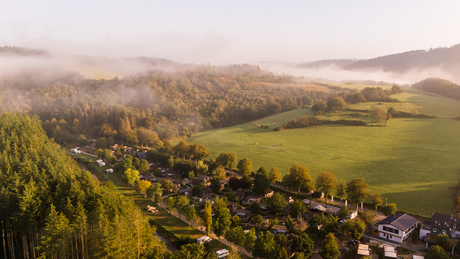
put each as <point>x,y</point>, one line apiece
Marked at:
<point>439,219</point>
<point>142,155</point>
<point>400,221</point>
<point>240,211</point>
<point>426,222</point>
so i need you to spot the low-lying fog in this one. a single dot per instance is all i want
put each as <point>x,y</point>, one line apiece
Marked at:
<point>50,64</point>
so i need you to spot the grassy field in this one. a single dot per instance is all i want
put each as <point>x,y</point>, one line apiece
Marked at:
<point>412,162</point>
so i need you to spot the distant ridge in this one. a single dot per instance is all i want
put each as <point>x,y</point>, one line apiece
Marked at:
<point>20,51</point>
<point>444,58</point>
<point>327,62</point>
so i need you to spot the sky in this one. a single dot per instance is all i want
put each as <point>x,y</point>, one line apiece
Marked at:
<point>221,32</point>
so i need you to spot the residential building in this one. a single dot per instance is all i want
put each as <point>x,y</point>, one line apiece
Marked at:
<point>440,224</point>
<point>205,179</point>
<point>243,214</point>
<point>250,199</point>
<point>396,227</point>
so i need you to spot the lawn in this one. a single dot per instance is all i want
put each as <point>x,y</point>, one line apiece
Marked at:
<point>412,162</point>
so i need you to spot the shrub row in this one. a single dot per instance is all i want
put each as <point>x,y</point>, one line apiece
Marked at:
<point>305,122</point>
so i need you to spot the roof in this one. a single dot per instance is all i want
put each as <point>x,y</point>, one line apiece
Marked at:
<point>400,221</point>
<point>279,228</point>
<point>390,255</point>
<point>389,249</point>
<point>320,208</point>
<point>363,246</point>
<point>240,211</point>
<point>142,155</point>
<point>439,219</point>
<point>332,209</point>
<point>363,251</point>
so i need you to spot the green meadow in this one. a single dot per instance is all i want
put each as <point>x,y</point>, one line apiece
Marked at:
<point>412,162</point>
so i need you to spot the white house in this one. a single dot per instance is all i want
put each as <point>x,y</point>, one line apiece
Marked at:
<point>396,227</point>
<point>109,171</point>
<point>100,162</point>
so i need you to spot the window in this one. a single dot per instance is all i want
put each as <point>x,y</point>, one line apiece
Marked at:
<point>443,232</point>
<point>434,230</point>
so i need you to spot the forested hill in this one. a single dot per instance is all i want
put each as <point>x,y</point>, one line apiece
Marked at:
<point>20,51</point>
<point>166,104</point>
<point>439,86</point>
<point>50,208</point>
<point>447,59</point>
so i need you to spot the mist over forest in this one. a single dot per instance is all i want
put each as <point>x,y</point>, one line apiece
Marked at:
<point>77,95</point>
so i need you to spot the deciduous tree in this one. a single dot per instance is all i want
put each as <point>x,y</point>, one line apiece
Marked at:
<point>389,209</point>
<point>352,229</point>
<point>302,244</point>
<point>357,190</point>
<point>131,176</point>
<point>277,203</point>
<point>222,222</point>
<point>274,175</point>
<point>265,246</point>
<point>436,252</point>
<point>297,208</point>
<point>142,186</point>
<point>298,178</point>
<point>443,241</point>
<point>244,167</point>
<point>376,200</point>
<point>228,160</point>
<point>261,184</point>
<point>154,192</point>
<point>191,215</point>
<point>325,183</point>
<point>329,248</point>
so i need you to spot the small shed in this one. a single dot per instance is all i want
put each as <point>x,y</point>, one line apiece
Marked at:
<point>389,252</point>
<point>363,250</point>
<point>278,229</point>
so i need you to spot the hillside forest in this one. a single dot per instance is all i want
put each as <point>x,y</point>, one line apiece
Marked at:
<point>161,104</point>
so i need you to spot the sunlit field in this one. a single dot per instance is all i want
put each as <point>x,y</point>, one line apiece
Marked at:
<point>412,162</point>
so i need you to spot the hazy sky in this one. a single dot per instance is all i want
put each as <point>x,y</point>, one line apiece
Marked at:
<point>230,31</point>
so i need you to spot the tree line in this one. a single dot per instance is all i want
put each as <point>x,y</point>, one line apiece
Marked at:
<point>439,86</point>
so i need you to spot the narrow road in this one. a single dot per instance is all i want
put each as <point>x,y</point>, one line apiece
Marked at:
<point>83,152</point>
<point>202,229</point>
